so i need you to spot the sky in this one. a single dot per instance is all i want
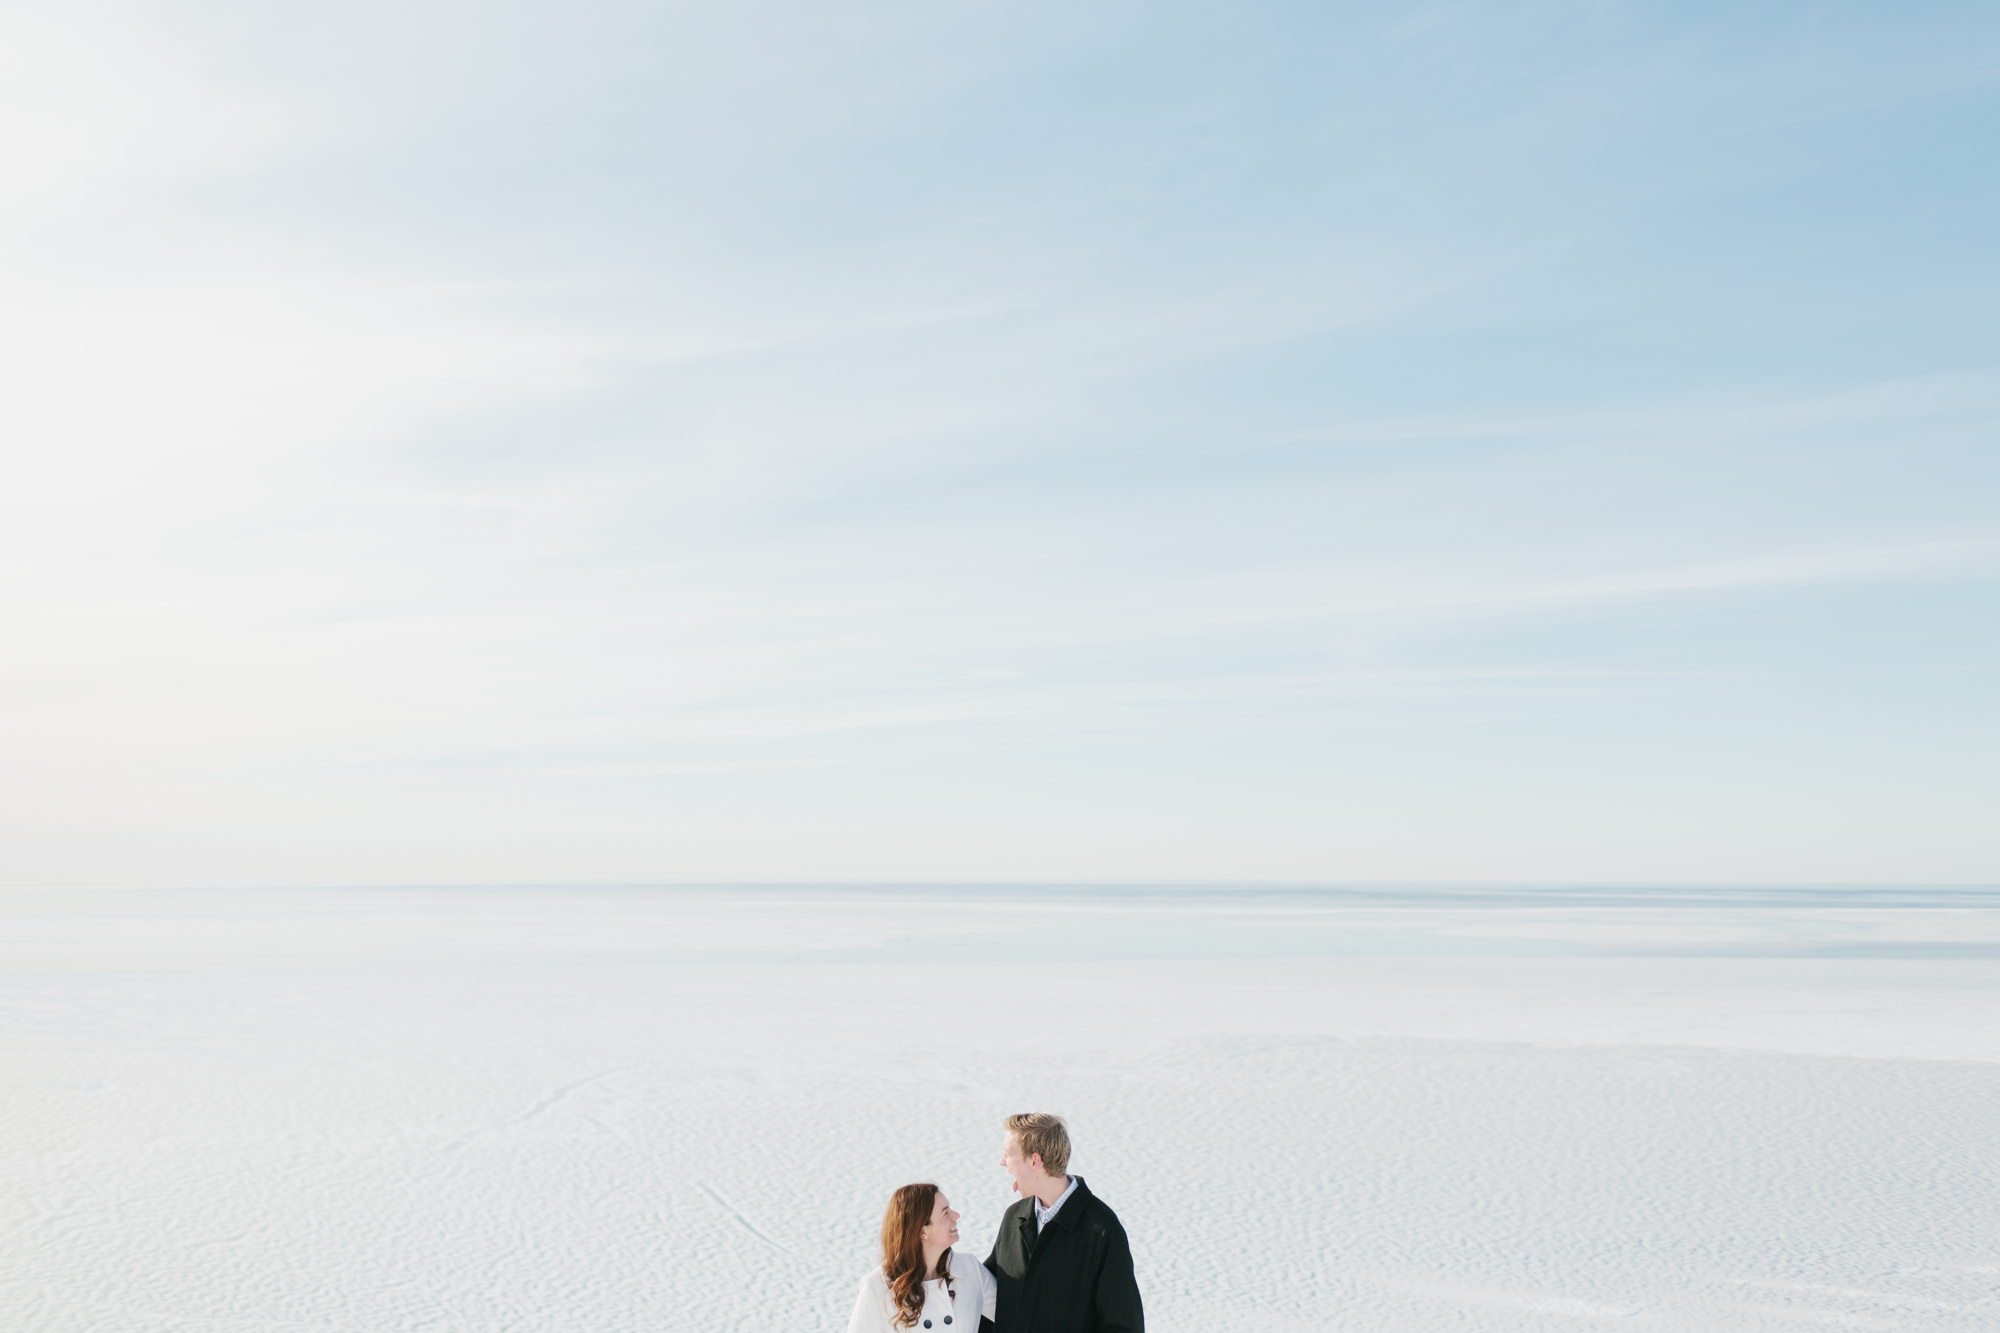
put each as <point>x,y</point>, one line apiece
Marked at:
<point>1544,442</point>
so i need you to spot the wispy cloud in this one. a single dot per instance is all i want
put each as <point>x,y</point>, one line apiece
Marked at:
<point>936,401</point>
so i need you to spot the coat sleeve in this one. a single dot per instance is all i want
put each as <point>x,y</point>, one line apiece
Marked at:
<point>868,1316</point>
<point>988,1301</point>
<point>1117,1292</point>
<point>989,1293</point>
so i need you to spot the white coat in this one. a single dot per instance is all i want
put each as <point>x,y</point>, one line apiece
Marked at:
<point>974,1288</point>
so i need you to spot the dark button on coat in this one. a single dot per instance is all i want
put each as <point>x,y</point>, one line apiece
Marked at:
<point>1073,1277</point>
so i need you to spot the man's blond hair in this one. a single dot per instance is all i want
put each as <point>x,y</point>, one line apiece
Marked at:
<point>1040,1132</point>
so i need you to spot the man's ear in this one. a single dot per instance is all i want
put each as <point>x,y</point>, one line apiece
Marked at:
<point>1036,1162</point>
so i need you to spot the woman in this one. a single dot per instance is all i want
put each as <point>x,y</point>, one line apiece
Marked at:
<point>923,1284</point>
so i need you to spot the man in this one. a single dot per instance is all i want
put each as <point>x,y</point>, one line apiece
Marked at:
<point>1061,1258</point>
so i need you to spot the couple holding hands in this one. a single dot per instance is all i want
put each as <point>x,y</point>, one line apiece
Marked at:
<point>1059,1265</point>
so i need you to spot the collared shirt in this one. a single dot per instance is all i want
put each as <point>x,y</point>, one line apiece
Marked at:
<point>1042,1215</point>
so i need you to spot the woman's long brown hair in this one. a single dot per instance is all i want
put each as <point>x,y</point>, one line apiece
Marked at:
<point>903,1251</point>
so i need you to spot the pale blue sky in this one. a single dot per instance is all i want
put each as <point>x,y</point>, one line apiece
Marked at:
<point>498,442</point>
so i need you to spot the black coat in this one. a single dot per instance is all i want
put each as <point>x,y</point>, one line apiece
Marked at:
<point>1074,1277</point>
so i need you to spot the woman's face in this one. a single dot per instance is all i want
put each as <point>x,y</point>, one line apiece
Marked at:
<point>941,1232</point>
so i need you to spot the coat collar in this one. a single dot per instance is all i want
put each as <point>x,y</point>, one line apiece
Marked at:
<point>1065,1217</point>
<point>1073,1207</point>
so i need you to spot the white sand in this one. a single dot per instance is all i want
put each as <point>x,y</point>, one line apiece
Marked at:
<point>619,1110</point>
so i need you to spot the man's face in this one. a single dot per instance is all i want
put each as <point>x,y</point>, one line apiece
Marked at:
<point>1027,1171</point>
